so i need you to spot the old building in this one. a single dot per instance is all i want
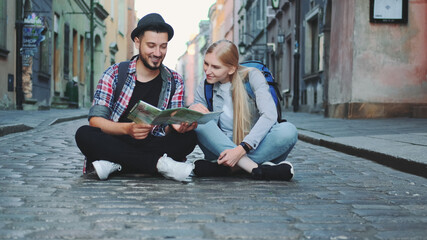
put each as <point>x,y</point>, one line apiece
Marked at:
<point>190,63</point>
<point>283,59</point>
<point>47,59</point>
<point>343,59</point>
<point>377,68</point>
<point>119,23</point>
<point>8,95</point>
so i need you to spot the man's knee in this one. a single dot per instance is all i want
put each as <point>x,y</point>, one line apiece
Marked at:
<point>85,133</point>
<point>80,133</point>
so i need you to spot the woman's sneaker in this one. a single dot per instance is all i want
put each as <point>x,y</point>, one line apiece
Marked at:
<point>104,168</point>
<point>172,169</point>
<point>269,171</point>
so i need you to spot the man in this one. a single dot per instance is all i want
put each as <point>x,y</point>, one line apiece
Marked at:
<point>112,142</point>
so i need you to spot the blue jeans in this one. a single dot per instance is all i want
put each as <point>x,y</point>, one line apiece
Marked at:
<point>275,147</point>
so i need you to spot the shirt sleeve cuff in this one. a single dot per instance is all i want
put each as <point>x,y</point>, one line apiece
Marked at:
<point>99,111</point>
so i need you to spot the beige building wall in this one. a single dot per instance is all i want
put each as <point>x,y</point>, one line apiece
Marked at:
<point>377,69</point>
<point>131,24</point>
<point>116,44</point>
<point>221,16</point>
<point>7,61</point>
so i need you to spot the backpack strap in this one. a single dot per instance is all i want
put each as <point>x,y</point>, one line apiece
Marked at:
<point>123,72</point>
<point>209,95</point>
<point>173,88</point>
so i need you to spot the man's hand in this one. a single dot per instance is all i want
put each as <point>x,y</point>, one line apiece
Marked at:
<point>199,107</point>
<point>231,157</point>
<point>184,127</point>
<point>139,130</point>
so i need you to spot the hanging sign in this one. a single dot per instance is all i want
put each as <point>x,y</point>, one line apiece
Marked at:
<point>32,34</point>
<point>388,11</point>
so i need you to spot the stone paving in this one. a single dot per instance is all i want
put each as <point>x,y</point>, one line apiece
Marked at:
<point>332,196</point>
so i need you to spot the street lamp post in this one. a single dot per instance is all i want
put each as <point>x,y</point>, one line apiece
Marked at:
<point>91,84</point>
<point>19,27</point>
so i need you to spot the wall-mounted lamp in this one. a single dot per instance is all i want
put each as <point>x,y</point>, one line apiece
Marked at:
<point>242,48</point>
<point>280,38</point>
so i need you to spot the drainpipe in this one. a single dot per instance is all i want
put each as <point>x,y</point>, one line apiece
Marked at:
<point>91,49</point>
<point>295,100</point>
<point>19,27</point>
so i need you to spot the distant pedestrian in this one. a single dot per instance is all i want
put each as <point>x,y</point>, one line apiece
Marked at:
<point>247,133</point>
<point>112,142</point>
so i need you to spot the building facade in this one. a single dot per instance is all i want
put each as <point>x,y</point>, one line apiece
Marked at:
<point>377,69</point>
<point>119,23</point>
<point>52,53</point>
<point>330,57</point>
<point>7,55</point>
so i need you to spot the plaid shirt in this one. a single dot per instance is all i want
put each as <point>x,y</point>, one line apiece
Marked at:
<point>104,94</point>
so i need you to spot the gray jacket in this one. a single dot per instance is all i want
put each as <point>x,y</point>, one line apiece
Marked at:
<point>262,108</point>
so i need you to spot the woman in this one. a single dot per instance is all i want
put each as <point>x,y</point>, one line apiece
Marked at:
<point>247,133</point>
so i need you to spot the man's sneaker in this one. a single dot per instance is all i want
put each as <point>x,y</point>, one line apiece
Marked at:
<point>104,168</point>
<point>269,171</point>
<point>204,168</point>
<point>172,169</point>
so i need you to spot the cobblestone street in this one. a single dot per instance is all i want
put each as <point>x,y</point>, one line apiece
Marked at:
<point>332,196</point>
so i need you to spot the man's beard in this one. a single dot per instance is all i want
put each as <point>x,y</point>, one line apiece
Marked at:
<point>145,62</point>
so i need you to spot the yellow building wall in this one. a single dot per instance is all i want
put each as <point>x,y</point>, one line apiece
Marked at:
<point>116,30</point>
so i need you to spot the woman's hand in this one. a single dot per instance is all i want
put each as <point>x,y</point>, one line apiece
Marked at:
<point>231,157</point>
<point>184,127</point>
<point>199,107</point>
<point>139,130</point>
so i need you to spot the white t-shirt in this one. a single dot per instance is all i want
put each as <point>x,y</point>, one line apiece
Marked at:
<point>226,118</point>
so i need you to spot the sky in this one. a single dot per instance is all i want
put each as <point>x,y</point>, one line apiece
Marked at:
<point>184,17</point>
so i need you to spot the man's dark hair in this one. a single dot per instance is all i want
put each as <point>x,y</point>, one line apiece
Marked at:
<point>154,28</point>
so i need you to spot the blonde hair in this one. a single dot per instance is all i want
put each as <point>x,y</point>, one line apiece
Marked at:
<point>227,53</point>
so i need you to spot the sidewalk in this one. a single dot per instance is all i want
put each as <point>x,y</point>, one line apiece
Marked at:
<point>14,121</point>
<point>400,143</point>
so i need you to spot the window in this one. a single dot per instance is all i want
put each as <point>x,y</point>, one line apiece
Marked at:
<point>3,28</point>
<point>314,32</point>
<point>44,56</point>
<point>121,22</point>
<point>311,48</point>
<point>112,9</point>
<point>75,54</point>
<point>66,50</point>
<point>82,60</point>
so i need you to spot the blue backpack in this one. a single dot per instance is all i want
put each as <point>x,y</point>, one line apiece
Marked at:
<point>274,90</point>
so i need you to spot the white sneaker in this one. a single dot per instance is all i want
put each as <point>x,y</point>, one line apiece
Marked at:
<point>172,169</point>
<point>104,168</point>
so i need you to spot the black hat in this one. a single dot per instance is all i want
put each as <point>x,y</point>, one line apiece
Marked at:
<point>150,20</point>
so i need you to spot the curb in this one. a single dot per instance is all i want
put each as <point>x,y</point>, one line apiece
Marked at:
<point>398,163</point>
<point>61,120</point>
<point>15,128</point>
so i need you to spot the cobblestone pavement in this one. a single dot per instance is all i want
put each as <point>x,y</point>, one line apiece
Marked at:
<point>333,196</point>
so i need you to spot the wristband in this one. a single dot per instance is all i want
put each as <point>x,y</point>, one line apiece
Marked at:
<point>245,146</point>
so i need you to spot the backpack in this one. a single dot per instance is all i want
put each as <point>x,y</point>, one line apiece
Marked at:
<point>274,90</point>
<point>123,70</point>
